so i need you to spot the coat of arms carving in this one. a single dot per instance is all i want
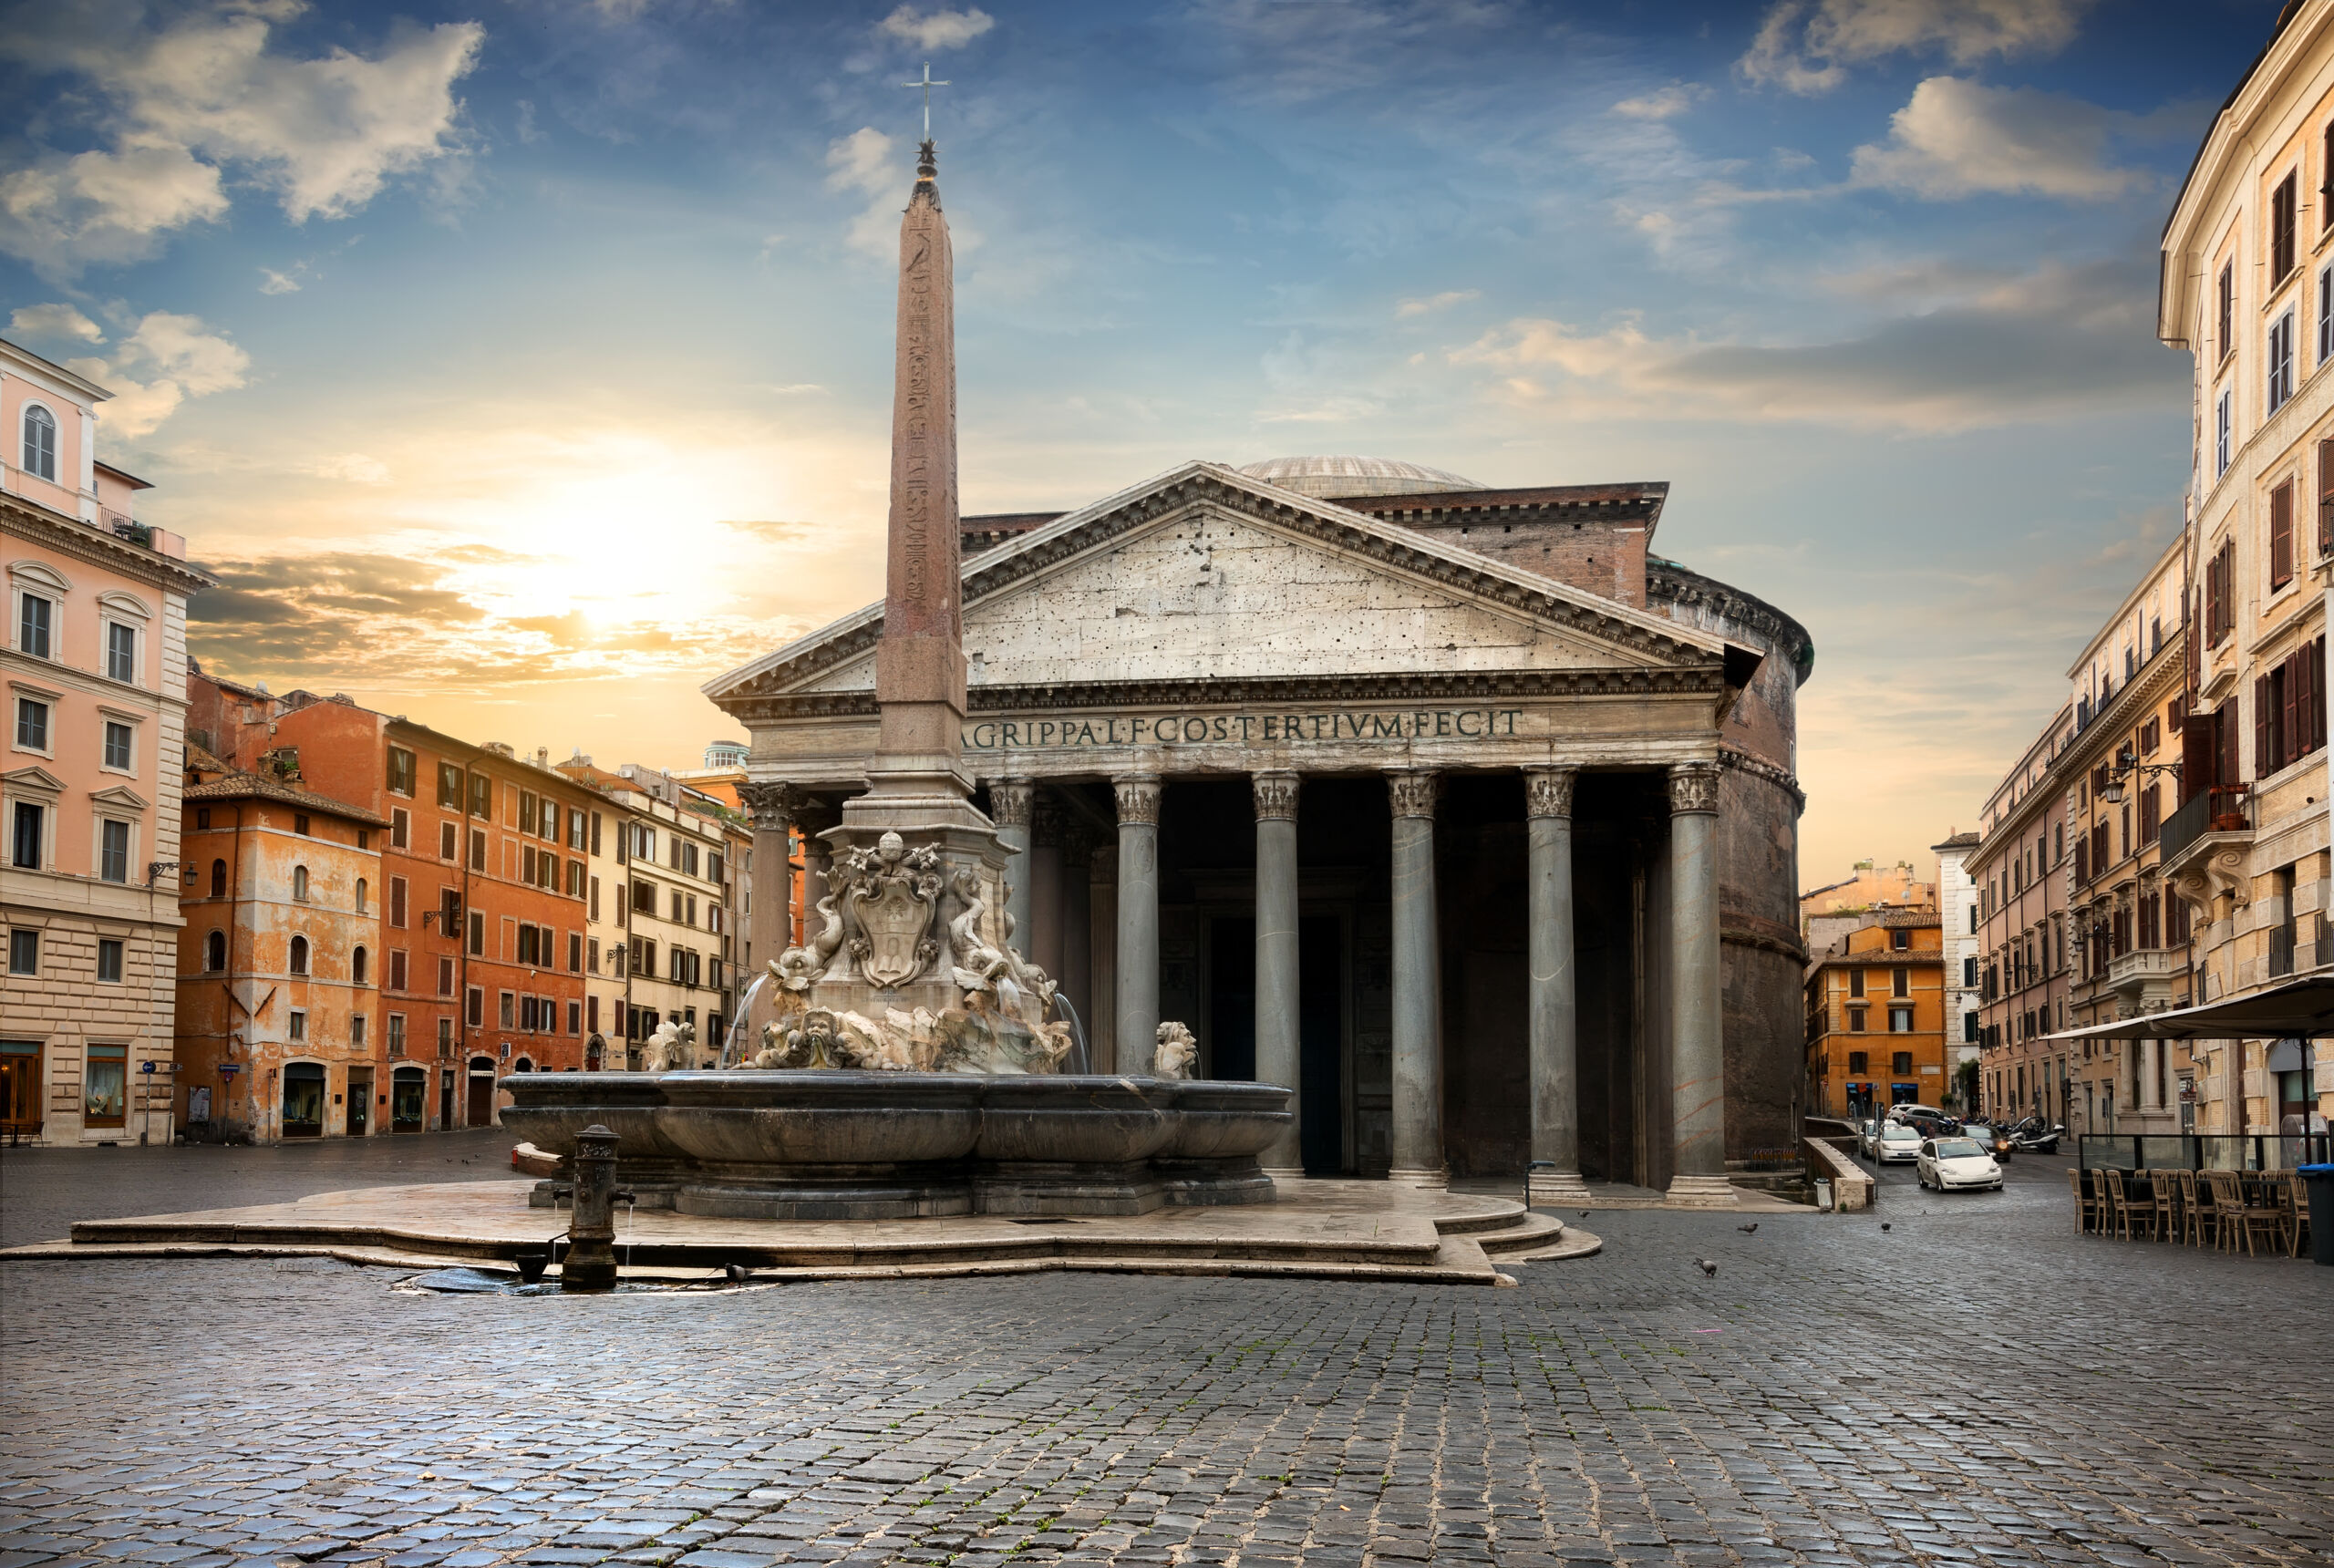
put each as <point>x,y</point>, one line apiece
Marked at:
<point>892,892</point>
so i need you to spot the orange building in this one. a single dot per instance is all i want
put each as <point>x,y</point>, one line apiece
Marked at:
<point>485,873</point>
<point>277,1015</point>
<point>1875,1015</point>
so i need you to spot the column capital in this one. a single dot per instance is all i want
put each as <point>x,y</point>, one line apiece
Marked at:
<point>1048,823</point>
<point>1009,801</point>
<point>772,806</point>
<point>1547,792</point>
<point>1412,793</point>
<point>1275,796</point>
<point>1693,787</point>
<point>1138,797</point>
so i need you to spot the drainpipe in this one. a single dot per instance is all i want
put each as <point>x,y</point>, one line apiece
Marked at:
<point>463,971</point>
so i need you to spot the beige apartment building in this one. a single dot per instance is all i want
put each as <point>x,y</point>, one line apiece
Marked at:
<point>94,664</point>
<point>2127,931</point>
<point>2020,869</point>
<point>2248,290</point>
<point>664,942</point>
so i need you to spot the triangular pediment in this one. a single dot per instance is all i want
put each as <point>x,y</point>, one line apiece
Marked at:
<point>119,795</point>
<point>34,777</point>
<point>1204,573</point>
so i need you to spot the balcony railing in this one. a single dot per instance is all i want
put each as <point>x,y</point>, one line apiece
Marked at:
<point>2218,809</point>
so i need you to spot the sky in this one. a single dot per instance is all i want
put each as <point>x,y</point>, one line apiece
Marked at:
<point>518,364</point>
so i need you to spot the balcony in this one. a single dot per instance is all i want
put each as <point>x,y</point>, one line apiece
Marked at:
<point>2142,980</point>
<point>2205,849</point>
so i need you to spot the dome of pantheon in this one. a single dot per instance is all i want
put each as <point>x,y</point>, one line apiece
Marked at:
<point>1326,476</point>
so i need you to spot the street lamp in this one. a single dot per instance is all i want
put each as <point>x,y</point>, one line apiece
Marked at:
<point>2111,792</point>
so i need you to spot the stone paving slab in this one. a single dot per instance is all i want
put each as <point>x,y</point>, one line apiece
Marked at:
<point>1320,1229</point>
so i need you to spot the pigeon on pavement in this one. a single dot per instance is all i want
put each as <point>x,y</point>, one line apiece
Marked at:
<point>1710,1269</point>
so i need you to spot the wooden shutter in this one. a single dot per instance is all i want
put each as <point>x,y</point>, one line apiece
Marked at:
<point>2281,535</point>
<point>2264,757</point>
<point>2224,721</point>
<point>2326,497</point>
<point>2082,861</point>
<point>2196,757</point>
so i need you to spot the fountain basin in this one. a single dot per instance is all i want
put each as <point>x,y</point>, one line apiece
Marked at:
<point>837,1145</point>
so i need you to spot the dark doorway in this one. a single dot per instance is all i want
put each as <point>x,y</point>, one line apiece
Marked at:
<point>445,1099</point>
<point>304,1100</point>
<point>409,1091</point>
<point>19,1087</point>
<point>1321,1038</point>
<point>479,1110</point>
<point>360,1102</point>
<point>1231,997</point>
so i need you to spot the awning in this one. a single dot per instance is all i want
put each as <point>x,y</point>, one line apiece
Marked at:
<point>2300,1009</point>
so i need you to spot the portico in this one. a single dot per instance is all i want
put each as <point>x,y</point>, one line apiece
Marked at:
<point>1428,838</point>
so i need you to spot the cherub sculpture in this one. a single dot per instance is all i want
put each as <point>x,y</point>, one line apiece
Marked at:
<point>800,968</point>
<point>672,1049</point>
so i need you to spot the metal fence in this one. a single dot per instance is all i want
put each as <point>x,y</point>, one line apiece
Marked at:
<point>2197,1152</point>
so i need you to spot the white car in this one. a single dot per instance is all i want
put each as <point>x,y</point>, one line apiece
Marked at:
<point>1954,1164</point>
<point>1899,1143</point>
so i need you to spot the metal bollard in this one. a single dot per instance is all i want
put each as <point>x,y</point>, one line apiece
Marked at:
<point>591,1261</point>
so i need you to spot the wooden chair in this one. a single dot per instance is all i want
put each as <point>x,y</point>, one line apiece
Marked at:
<point>2139,1206</point>
<point>2167,1204</point>
<point>2114,1209</point>
<point>2292,1207</point>
<point>2245,1213</point>
<point>2086,1205</point>
<point>2196,1211</point>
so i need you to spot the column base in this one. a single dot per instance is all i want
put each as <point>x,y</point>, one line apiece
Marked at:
<point>1700,1192</point>
<point>1437,1180</point>
<point>1286,1172</point>
<point>1555,1187</point>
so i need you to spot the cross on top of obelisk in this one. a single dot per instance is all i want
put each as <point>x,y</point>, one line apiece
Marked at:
<point>928,84</point>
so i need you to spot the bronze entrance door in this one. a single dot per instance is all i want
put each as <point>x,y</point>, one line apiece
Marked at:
<point>19,1088</point>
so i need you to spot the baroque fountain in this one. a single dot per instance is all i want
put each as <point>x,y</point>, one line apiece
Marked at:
<point>915,1064</point>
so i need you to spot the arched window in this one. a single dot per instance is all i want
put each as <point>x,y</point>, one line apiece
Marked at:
<point>299,955</point>
<point>357,967</point>
<point>214,953</point>
<point>40,443</point>
<point>299,883</point>
<point>360,895</point>
<point>218,879</point>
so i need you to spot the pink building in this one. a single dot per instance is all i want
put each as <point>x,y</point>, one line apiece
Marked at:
<point>95,665</point>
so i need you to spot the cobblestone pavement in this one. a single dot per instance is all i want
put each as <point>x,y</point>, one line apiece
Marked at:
<point>2138,1403</point>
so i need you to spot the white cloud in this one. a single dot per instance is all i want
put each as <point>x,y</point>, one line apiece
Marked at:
<point>1959,138</point>
<point>50,321</point>
<point>202,93</point>
<point>166,360</point>
<point>863,161</point>
<point>61,213</point>
<point>1662,103</point>
<point>1433,303</point>
<point>937,30</point>
<point>274,283</point>
<point>2058,343</point>
<point>1806,45</point>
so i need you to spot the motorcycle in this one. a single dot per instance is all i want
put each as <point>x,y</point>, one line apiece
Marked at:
<point>2036,1139</point>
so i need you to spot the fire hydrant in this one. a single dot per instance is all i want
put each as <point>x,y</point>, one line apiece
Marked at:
<point>591,1261</point>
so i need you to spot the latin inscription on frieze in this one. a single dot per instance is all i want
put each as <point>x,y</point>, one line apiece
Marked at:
<point>1275,728</point>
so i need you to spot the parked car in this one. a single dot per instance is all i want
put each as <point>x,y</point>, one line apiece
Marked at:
<point>1866,1131</point>
<point>1930,1120</point>
<point>1990,1137</point>
<point>1900,1143</point>
<point>1956,1164</point>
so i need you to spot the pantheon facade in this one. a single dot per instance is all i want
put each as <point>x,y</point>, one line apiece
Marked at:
<point>1459,802</point>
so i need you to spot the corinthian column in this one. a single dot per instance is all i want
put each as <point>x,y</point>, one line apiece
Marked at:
<point>1136,1028</point>
<point>1417,1043</point>
<point>1554,1005</point>
<point>1696,1049</point>
<point>770,929</point>
<point>1009,808</point>
<point>1279,1054</point>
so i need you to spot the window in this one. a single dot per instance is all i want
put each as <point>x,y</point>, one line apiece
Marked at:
<point>509,1010</point>
<point>1855,982</point>
<point>40,443</point>
<point>400,771</point>
<point>2281,231</point>
<point>299,955</point>
<point>449,842</point>
<point>449,786</point>
<point>2220,609</point>
<point>1903,940</point>
<point>712,867</point>
<point>2281,535</point>
<point>106,1089</point>
<point>300,885</point>
<point>400,829</point>
<point>575,952</point>
<point>475,1007</point>
<point>214,953</point>
<point>2225,301</point>
<point>356,1030</point>
<point>397,969</point>
<point>593,888</point>
<point>23,952</point>
<point>575,1017</point>
<point>27,835</point>
<point>2325,315</point>
<point>32,724</point>
<point>36,618</point>
<point>1855,1020</point>
<point>2325,497</point>
<point>116,753</point>
<point>2281,361</point>
<point>109,960</point>
<point>113,851</point>
<point>357,965</point>
<point>300,823</point>
<point>2224,430</point>
<point>1969,972</point>
<point>396,902</point>
<point>218,879</point>
<point>679,916</point>
<point>1900,1062</point>
<point>575,879</point>
<point>481,796</point>
<point>445,976</point>
<point>526,811</point>
<point>121,652</point>
<point>478,934</point>
<point>1900,983</point>
<point>364,892</point>
<point>478,848</point>
<point>297,1028</point>
<point>644,898</point>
